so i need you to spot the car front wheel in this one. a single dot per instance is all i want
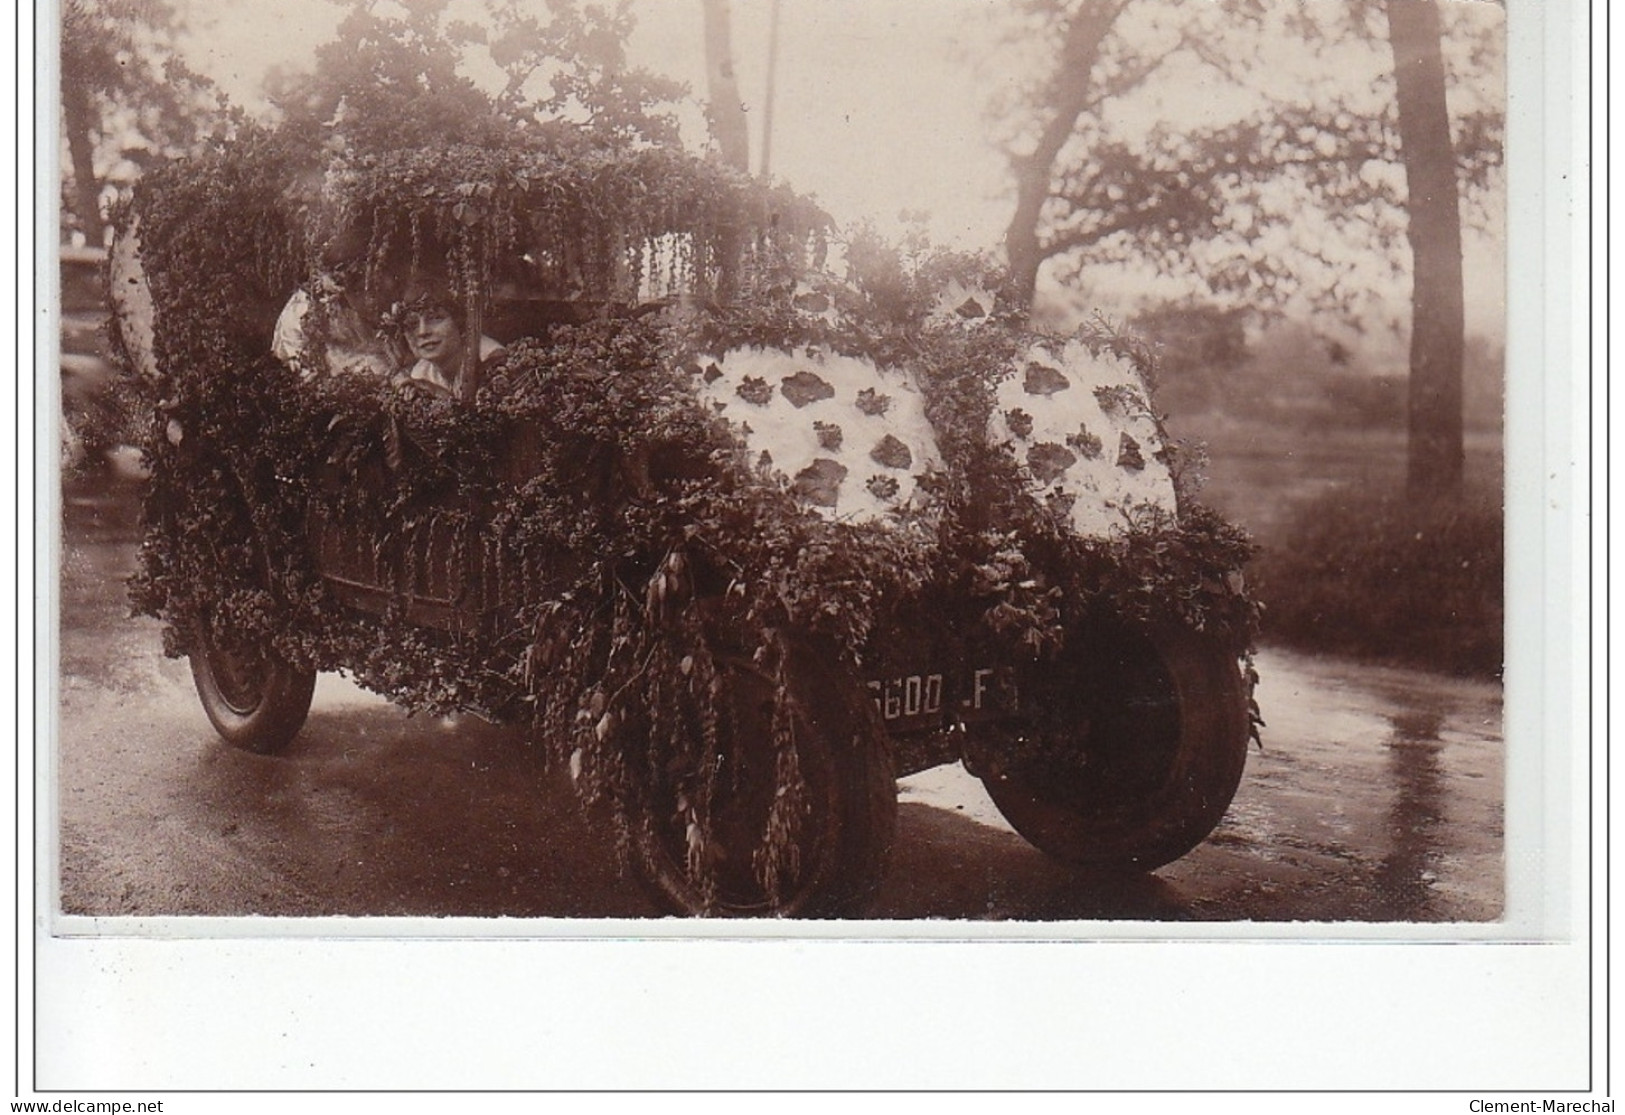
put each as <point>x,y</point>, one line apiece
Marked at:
<point>1130,752</point>
<point>800,810</point>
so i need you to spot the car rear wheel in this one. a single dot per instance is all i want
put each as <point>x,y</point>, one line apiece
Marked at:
<point>254,699</point>
<point>1133,753</point>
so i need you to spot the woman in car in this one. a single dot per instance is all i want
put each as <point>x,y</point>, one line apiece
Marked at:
<point>434,327</point>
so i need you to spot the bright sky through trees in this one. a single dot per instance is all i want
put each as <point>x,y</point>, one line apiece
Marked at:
<point>877,110</point>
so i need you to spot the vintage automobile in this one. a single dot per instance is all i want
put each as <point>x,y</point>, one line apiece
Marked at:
<point>735,539</point>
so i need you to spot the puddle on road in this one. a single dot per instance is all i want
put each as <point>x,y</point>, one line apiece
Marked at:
<point>1409,764</point>
<point>956,790</point>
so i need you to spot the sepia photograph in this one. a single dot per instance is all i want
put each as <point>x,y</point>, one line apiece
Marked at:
<point>1016,468</point>
<point>554,478</point>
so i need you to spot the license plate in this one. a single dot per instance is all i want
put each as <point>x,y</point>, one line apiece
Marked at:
<point>920,702</point>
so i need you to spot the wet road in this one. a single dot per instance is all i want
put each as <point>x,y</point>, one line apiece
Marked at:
<point>1377,797</point>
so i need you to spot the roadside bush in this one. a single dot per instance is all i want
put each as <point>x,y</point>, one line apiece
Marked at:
<point>95,422</point>
<point>1376,575</point>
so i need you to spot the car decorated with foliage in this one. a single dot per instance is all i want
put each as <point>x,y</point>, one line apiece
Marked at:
<point>735,540</point>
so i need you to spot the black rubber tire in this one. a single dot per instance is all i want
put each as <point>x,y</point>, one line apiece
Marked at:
<point>845,837</point>
<point>254,699</point>
<point>1156,742</point>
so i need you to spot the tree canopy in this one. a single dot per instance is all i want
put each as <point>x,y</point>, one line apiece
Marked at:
<point>398,76</point>
<point>1158,134</point>
<point>127,100</point>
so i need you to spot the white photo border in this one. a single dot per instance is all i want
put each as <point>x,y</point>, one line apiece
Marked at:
<point>217,1005</point>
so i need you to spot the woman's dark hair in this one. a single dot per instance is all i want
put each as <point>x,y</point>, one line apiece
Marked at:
<point>433,292</point>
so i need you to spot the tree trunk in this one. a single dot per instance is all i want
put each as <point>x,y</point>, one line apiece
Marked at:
<point>727,109</point>
<point>1434,466</point>
<point>79,121</point>
<point>1023,248</point>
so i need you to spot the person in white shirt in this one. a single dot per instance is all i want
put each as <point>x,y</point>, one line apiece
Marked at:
<point>352,344</point>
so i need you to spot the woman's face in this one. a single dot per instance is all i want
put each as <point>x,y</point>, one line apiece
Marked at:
<point>433,335</point>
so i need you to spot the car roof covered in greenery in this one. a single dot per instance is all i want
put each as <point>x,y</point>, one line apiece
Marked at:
<point>594,223</point>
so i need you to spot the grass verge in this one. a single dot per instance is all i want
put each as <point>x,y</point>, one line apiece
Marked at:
<point>1374,574</point>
